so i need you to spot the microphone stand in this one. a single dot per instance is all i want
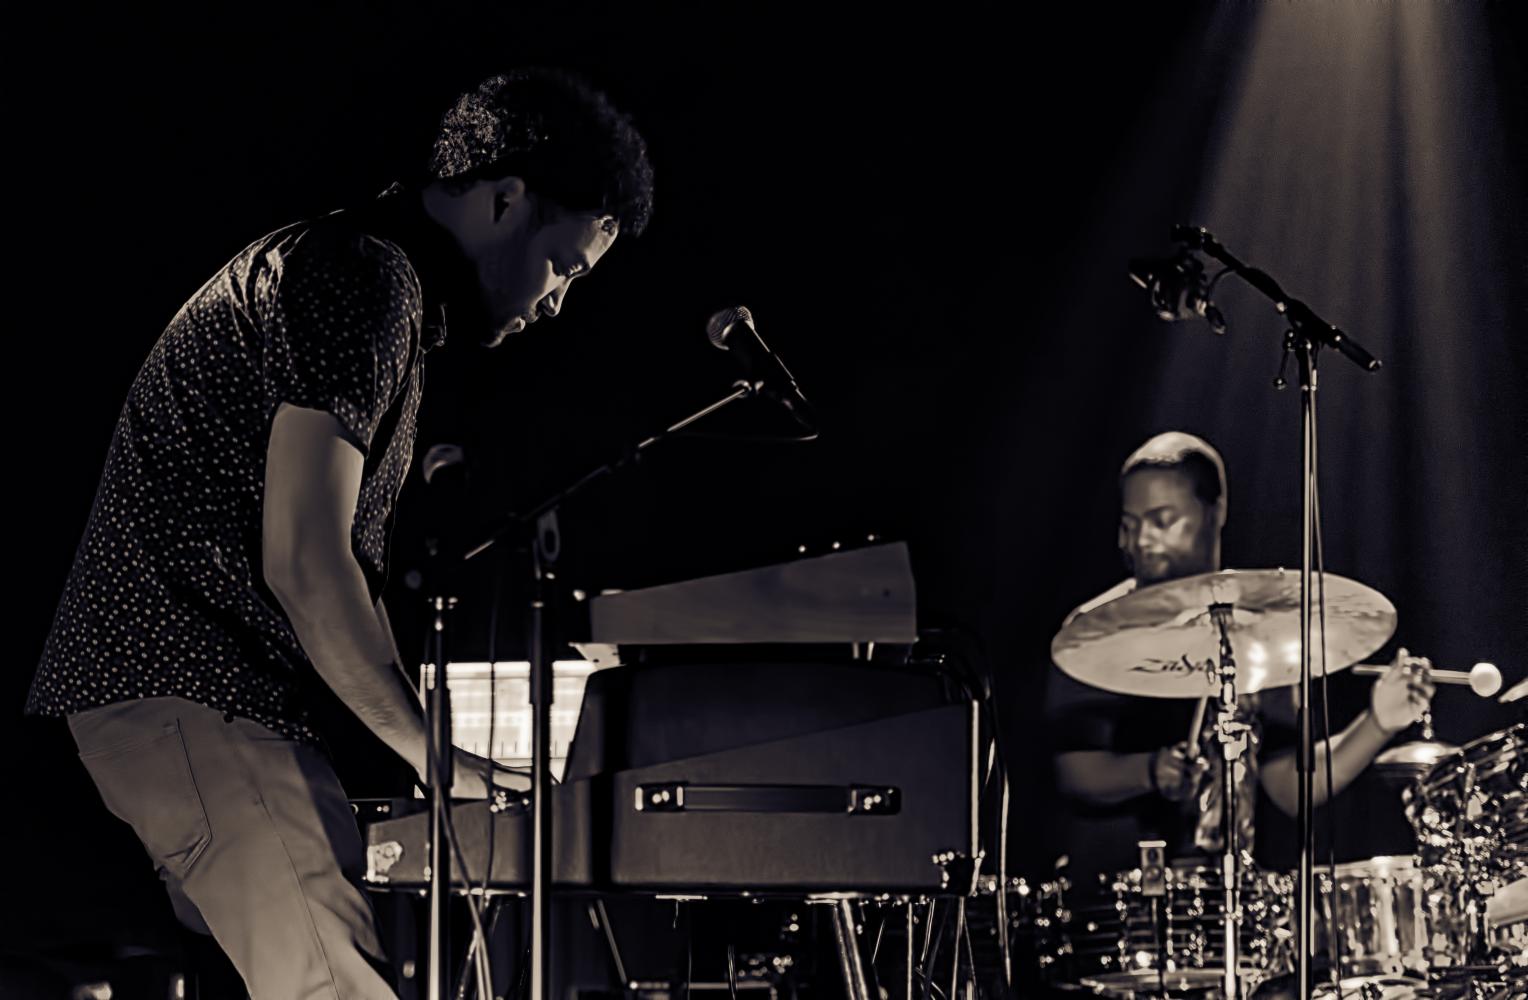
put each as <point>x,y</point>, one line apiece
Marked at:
<point>545,549</point>
<point>439,771</point>
<point>1306,334</point>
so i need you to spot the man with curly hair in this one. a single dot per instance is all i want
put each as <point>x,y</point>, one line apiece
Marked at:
<point>236,551</point>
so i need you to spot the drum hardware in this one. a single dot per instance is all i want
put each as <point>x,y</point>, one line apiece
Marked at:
<point>1233,736</point>
<point>1470,814</point>
<point>1154,888</point>
<point>1401,766</point>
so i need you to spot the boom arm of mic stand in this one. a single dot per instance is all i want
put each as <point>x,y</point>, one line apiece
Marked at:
<point>508,522</point>
<point>1300,315</point>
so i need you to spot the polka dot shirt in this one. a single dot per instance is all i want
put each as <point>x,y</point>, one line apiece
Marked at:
<point>166,595</point>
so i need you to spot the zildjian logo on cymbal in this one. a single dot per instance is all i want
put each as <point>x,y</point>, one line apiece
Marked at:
<point>1182,665</point>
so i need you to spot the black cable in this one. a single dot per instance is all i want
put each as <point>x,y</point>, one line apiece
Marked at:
<point>970,950</point>
<point>960,926</point>
<point>497,911</point>
<point>1005,941</point>
<point>872,974</point>
<point>454,844</point>
<point>493,691</point>
<point>1210,289</point>
<point>744,438</point>
<point>875,950</point>
<point>1335,938</point>
<point>523,980</point>
<point>1005,945</point>
<point>974,680</point>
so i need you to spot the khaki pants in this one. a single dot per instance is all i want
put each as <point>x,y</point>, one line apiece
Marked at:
<point>254,839</point>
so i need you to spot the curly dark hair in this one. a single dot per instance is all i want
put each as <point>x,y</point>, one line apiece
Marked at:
<point>555,132</point>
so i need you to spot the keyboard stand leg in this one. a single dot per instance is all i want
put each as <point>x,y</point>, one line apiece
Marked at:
<point>601,921</point>
<point>850,962</point>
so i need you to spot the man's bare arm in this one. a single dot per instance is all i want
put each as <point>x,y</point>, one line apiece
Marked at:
<point>312,482</point>
<point>1397,699</point>
<point>1351,751</point>
<point>1101,778</point>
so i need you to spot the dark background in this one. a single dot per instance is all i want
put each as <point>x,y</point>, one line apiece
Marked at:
<point>929,214</point>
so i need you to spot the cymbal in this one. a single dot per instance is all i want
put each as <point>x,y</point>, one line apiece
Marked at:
<point>1421,755</point>
<point>1161,641</point>
<point>1401,765</point>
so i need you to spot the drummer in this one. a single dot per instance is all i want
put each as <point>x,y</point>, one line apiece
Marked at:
<point>1127,763</point>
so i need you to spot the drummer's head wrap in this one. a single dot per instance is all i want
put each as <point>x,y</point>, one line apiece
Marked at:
<point>1195,457</point>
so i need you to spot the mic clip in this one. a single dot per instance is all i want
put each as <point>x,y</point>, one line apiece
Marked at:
<point>1177,288</point>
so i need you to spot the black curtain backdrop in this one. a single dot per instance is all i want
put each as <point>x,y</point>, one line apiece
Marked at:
<point>929,213</point>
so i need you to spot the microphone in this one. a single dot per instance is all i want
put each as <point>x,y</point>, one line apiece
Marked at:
<point>439,457</point>
<point>1177,288</point>
<point>444,468</point>
<point>1483,678</point>
<point>733,330</point>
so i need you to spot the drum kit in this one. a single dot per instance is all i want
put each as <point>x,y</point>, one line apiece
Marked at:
<point>1450,921</point>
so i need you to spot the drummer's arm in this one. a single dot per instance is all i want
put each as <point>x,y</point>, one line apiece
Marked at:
<point>1105,778</point>
<point>1397,699</point>
<point>1351,751</point>
<point>1102,778</point>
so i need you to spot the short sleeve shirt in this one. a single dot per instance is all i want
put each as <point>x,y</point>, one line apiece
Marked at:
<point>166,596</point>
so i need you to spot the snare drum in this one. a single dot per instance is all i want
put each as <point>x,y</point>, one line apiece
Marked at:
<point>1390,915</point>
<point>1121,944</point>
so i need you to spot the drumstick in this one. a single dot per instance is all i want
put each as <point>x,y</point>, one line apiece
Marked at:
<point>1198,723</point>
<point>1483,678</point>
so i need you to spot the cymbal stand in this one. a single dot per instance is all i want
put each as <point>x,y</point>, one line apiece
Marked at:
<point>1232,735</point>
